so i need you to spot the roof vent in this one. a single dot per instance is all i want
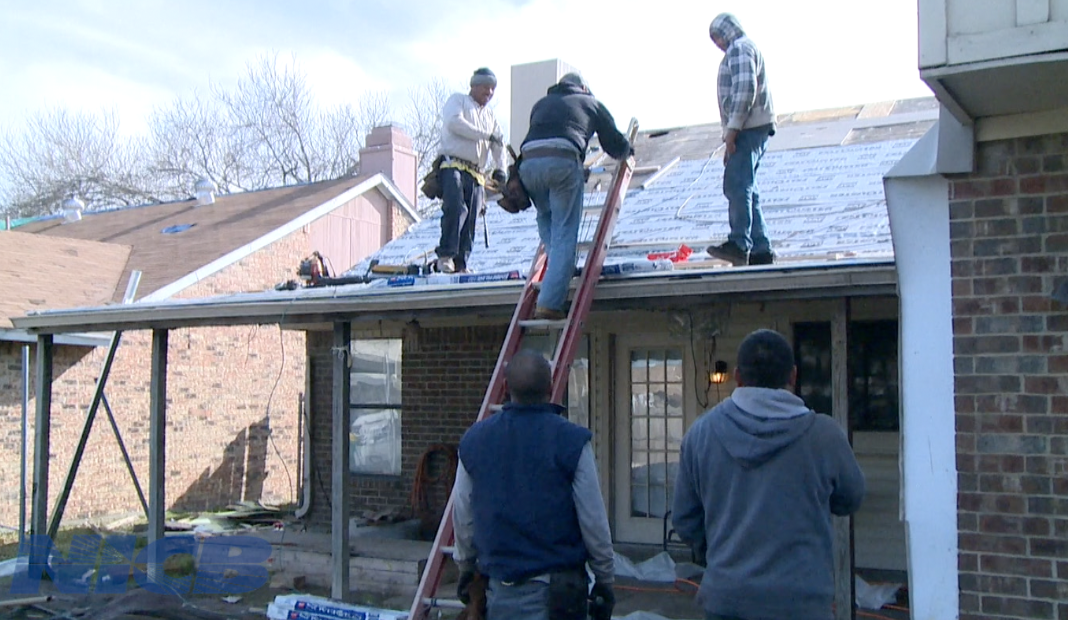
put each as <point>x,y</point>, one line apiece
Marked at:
<point>205,189</point>
<point>72,209</point>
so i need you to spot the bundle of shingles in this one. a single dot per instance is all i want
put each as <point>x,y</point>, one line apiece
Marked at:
<point>307,607</point>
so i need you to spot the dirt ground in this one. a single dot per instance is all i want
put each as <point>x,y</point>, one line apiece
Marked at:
<point>669,601</point>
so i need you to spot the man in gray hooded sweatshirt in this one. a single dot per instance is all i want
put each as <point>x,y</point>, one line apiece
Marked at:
<point>759,477</point>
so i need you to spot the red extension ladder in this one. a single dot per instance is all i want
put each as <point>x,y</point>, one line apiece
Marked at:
<point>570,330</point>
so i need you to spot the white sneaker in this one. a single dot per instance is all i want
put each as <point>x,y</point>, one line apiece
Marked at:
<point>445,265</point>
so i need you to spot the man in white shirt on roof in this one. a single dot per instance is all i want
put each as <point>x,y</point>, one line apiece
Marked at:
<point>472,144</point>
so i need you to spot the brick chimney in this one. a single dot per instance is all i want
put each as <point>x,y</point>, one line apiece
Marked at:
<point>529,83</point>
<point>389,151</point>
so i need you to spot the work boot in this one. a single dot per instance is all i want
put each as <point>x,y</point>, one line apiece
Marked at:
<point>445,265</point>
<point>548,314</point>
<point>729,252</point>
<point>761,258</point>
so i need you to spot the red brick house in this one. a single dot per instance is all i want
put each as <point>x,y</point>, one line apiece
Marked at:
<point>236,391</point>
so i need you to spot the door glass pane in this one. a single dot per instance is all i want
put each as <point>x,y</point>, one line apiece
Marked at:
<point>639,436</point>
<point>674,427</point>
<point>656,428</point>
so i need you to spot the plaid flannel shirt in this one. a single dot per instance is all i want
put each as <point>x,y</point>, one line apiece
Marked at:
<point>744,99</point>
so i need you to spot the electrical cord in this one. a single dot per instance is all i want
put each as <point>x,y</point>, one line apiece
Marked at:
<point>703,403</point>
<point>270,399</point>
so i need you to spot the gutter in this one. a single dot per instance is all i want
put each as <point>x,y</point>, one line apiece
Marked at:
<point>75,340</point>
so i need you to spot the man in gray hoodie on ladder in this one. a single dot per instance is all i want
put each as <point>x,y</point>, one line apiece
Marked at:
<point>759,477</point>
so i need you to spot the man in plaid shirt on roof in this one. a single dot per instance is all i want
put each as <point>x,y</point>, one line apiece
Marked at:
<point>747,119</point>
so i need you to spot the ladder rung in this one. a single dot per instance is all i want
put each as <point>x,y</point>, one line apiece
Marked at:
<point>543,324</point>
<point>443,603</point>
<point>448,550</point>
<point>496,408</point>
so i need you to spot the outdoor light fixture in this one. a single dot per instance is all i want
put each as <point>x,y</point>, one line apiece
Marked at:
<point>719,375</point>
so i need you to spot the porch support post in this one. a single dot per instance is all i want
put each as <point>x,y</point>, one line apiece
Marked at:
<point>157,459</point>
<point>339,479</point>
<point>843,526</point>
<point>41,444</point>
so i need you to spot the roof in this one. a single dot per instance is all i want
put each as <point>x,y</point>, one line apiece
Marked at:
<point>821,192</point>
<point>821,187</point>
<point>39,272</point>
<point>172,243</point>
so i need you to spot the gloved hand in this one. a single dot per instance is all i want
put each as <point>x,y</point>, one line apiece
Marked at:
<point>632,152</point>
<point>496,138</point>
<point>499,177</point>
<point>602,601</point>
<point>466,578</point>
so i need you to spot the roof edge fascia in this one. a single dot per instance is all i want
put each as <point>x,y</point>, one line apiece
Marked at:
<point>77,340</point>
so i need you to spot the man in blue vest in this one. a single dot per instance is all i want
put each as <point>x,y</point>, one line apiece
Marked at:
<point>528,510</point>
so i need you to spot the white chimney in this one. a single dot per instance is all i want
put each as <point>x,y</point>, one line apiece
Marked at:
<point>529,83</point>
<point>72,209</point>
<point>205,189</point>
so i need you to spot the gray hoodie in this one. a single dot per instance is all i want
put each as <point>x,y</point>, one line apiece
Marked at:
<point>759,477</point>
<point>742,84</point>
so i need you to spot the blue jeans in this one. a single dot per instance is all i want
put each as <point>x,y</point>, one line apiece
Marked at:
<point>748,230</point>
<point>555,185</point>
<point>563,599</point>
<point>462,199</point>
<point>526,601</point>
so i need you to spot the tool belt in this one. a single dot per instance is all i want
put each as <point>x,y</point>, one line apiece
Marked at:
<point>431,186</point>
<point>568,594</point>
<point>551,151</point>
<point>463,165</point>
<point>514,197</point>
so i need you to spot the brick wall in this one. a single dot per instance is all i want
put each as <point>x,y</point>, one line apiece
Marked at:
<point>1009,239</point>
<point>399,221</point>
<point>445,374</point>
<point>219,428</point>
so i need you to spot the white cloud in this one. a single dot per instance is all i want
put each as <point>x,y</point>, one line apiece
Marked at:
<point>336,79</point>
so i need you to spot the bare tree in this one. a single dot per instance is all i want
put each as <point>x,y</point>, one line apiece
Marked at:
<point>266,131</point>
<point>273,117</point>
<point>344,130</point>
<point>62,153</point>
<point>192,139</point>
<point>422,119</point>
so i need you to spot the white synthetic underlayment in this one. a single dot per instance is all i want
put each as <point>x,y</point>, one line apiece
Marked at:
<point>820,204</point>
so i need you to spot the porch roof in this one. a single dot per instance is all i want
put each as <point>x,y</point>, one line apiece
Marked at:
<point>852,277</point>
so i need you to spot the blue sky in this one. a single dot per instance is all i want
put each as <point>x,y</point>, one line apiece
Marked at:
<point>652,60</point>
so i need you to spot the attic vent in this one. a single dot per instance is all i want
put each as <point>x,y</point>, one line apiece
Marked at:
<point>659,134</point>
<point>72,209</point>
<point>205,190</point>
<point>177,228</point>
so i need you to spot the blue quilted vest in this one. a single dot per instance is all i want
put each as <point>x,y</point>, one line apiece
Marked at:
<point>522,464</point>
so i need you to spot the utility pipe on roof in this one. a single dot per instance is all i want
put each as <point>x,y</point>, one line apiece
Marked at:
<point>663,170</point>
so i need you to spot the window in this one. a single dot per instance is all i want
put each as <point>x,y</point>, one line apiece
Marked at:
<point>873,372</point>
<point>375,439</point>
